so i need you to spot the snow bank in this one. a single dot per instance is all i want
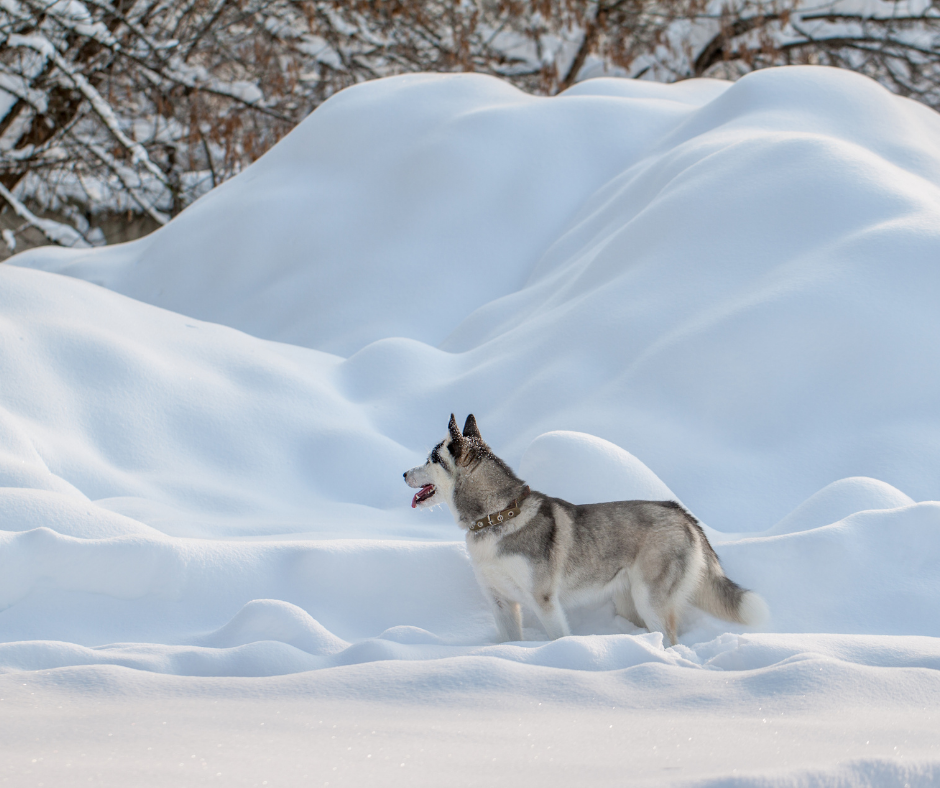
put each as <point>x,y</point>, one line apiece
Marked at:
<point>724,294</point>
<point>475,721</point>
<point>733,282</point>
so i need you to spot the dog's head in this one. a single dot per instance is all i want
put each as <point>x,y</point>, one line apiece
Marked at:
<point>438,476</point>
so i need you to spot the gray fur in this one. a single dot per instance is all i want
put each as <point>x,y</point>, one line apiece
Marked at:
<point>651,558</point>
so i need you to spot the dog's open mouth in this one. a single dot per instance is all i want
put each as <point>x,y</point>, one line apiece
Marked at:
<point>422,495</point>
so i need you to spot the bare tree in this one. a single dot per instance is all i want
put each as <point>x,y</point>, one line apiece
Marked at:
<point>138,107</point>
<point>895,43</point>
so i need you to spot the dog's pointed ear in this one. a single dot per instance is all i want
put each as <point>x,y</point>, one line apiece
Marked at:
<point>454,430</point>
<point>470,429</point>
<point>459,448</point>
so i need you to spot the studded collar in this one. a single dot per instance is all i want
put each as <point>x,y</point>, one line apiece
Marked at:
<point>503,515</point>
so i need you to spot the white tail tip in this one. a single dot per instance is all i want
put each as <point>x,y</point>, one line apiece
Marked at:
<point>753,610</point>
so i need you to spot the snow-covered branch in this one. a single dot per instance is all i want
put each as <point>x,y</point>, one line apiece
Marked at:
<point>56,232</point>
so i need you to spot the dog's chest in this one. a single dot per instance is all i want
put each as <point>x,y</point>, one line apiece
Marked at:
<point>507,574</point>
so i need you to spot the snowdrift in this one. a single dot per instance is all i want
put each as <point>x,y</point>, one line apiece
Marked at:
<point>734,282</point>
<point>724,294</point>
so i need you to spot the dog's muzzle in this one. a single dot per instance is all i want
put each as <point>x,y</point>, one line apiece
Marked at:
<point>427,490</point>
<point>423,494</point>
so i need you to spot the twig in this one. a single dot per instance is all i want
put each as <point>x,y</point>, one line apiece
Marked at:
<point>58,233</point>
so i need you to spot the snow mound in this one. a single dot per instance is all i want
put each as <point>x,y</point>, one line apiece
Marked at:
<point>272,619</point>
<point>706,274</point>
<point>872,572</point>
<point>837,501</point>
<point>25,509</point>
<point>584,469</point>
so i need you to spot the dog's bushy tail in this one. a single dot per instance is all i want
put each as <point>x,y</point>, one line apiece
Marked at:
<point>723,598</point>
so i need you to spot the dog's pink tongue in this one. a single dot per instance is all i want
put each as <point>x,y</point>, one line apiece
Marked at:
<point>420,494</point>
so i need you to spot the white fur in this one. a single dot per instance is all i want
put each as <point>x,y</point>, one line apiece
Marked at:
<point>753,610</point>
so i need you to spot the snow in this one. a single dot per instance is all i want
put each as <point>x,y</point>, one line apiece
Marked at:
<point>723,294</point>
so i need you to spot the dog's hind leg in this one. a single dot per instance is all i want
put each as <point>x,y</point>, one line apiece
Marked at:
<point>625,607</point>
<point>658,617</point>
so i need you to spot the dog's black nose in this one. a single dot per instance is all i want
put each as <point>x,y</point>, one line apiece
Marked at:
<point>405,475</point>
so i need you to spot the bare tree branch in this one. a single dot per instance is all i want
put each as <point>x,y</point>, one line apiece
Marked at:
<point>56,232</point>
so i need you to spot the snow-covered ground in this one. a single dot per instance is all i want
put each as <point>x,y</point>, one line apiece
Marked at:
<point>722,293</point>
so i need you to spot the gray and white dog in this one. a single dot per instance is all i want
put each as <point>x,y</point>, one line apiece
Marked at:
<point>651,558</point>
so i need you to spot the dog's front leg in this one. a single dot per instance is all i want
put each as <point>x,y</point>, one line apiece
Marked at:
<point>550,613</point>
<point>508,617</point>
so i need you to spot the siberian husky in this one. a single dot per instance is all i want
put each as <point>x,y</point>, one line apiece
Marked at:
<point>650,557</point>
